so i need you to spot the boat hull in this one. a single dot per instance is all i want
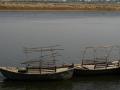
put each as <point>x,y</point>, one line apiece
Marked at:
<point>81,72</point>
<point>24,76</point>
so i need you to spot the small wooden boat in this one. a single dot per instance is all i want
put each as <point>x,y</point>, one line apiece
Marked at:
<point>14,73</point>
<point>92,70</point>
<point>42,69</point>
<point>97,66</point>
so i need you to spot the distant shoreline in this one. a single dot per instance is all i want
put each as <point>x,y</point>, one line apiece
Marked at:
<point>58,7</point>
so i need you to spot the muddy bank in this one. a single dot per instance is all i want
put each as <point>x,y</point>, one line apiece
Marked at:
<point>59,6</point>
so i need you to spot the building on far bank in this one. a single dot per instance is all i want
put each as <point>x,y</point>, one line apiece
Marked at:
<point>64,1</point>
<point>32,0</point>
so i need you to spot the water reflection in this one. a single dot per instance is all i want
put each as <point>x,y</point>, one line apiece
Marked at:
<point>97,83</point>
<point>82,83</point>
<point>36,85</point>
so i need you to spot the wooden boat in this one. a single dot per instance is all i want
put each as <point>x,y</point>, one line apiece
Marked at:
<point>13,73</point>
<point>42,69</point>
<point>92,70</point>
<point>97,66</point>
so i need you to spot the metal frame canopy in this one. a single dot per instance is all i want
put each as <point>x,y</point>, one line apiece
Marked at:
<point>47,58</point>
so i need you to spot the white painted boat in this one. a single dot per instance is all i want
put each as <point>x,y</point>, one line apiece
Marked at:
<point>14,73</point>
<point>44,68</point>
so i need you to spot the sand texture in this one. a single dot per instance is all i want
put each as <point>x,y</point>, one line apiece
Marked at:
<point>60,6</point>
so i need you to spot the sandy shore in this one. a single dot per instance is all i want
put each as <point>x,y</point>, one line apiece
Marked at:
<point>58,7</point>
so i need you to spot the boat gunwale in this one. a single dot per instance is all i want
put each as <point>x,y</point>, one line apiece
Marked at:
<point>1,69</point>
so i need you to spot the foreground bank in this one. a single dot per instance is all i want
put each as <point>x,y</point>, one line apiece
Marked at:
<point>60,6</point>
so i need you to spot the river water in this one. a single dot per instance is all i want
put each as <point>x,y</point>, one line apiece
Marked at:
<point>71,30</point>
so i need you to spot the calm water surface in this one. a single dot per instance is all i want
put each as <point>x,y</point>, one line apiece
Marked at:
<point>72,30</point>
<point>94,83</point>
